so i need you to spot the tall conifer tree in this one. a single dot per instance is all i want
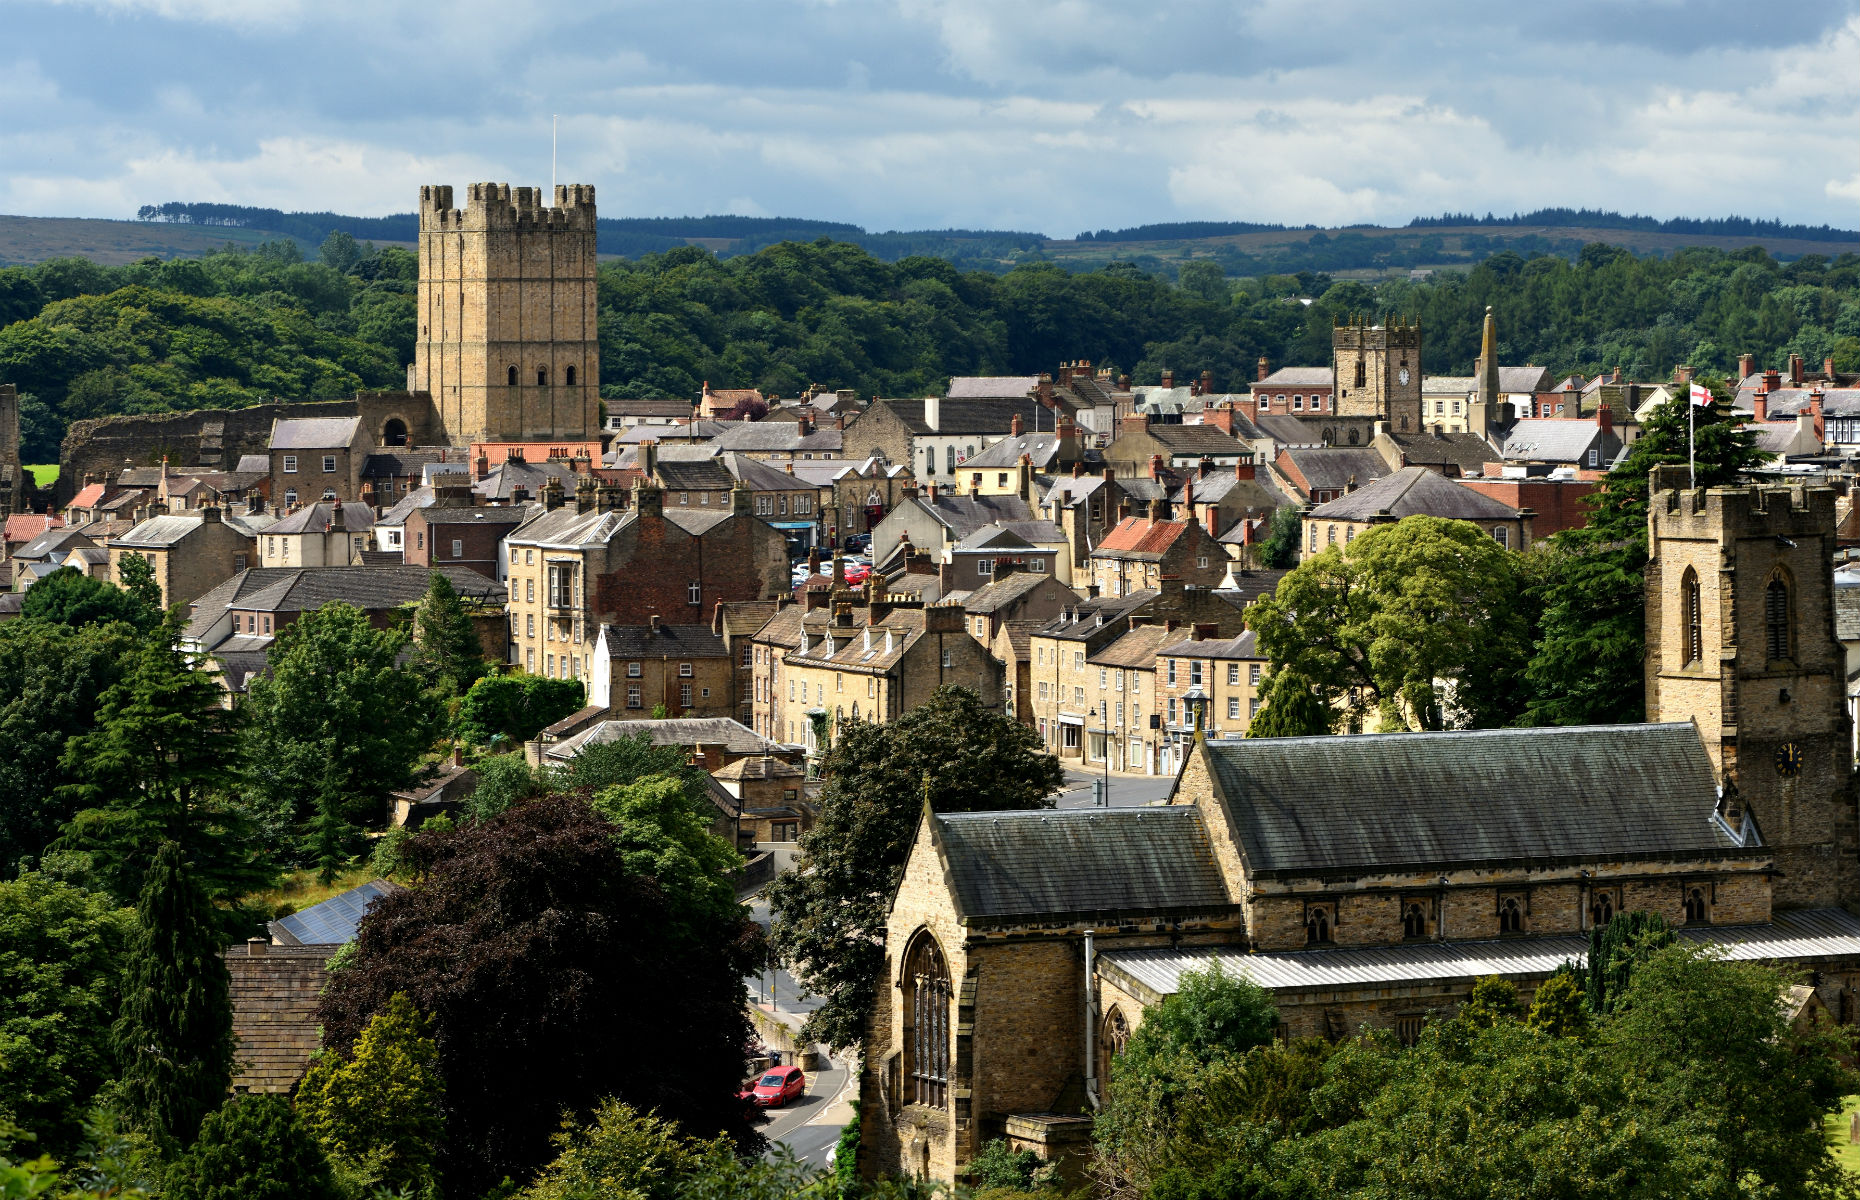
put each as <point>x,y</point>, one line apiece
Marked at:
<point>174,1037</point>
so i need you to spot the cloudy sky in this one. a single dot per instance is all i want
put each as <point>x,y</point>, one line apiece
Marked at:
<point>1048,115</point>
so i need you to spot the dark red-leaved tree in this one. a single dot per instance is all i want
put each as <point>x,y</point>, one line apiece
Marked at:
<point>555,976</point>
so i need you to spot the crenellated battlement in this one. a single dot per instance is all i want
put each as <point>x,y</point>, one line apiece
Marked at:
<point>500,206</point>
<point>1790,510</point>
<point>1356,335</point>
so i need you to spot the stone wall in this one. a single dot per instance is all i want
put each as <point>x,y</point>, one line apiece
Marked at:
<point>274,998</point>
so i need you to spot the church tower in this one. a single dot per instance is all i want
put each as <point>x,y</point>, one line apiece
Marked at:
<point>506,344</point>
<point>1376,372</point>
<point>1487,403</point>
<point>1740,639</point>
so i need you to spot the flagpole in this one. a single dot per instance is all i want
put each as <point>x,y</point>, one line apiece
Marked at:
<point>1692,466</point>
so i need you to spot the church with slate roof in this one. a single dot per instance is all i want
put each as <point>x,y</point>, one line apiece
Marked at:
<point>1370,880</point>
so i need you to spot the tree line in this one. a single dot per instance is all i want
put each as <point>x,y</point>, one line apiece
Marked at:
<point>240,327</point>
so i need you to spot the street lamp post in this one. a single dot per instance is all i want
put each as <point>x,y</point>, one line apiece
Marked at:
<point>1105,796</point>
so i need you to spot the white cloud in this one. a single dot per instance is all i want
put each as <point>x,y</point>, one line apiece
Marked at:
<point>1054,115</point>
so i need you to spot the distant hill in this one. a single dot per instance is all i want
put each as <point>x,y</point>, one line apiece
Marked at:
<point>1242,248</point>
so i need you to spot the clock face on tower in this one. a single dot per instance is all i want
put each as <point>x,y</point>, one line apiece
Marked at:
<point>1403,375</point>
<point>1788,759</point>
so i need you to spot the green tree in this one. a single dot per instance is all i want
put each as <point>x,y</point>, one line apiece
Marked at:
<point>138,579</point>
<point>174,1037</point>
<point>1378,625</point>
<point>619,1152</point>
<point>1590,583</point>
<point>336,726</point>
<point>61,956</point>
<point>1291,709</point>
<point>503,780</point>
<point>380,1109</point>
<point>1493,999</point>
<point>1283,539</point>
<point>1706,1051</point>
<point>664,826</point>
<point>252,1148</point>
<point>1615,950</point>
<point>1559,1008</point>
<point>52,681</point>
<point>1211,1015</point>
<point>447,646</point>
<point>830,916</point>
<point>516,707</point>
<point>156,769</point>
<point>67,596</point>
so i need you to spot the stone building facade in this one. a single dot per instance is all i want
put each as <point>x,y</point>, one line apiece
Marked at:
<point>1740,638</point>
<point>1377,369</point>
<point>1011,981</point>
<point>506,345</point>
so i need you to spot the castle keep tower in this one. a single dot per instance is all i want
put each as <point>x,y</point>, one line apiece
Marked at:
<point>1376,371</point>
<point>506,344</point>
<point>1740,639</point>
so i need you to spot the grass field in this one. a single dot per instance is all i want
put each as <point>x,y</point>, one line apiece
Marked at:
<point>43,474</point>
<point>1845,1152</point>
<point>300,888</point>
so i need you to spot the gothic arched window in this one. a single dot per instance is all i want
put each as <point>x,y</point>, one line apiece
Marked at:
<point>1695,625</point>
<point>926,1029</point>
<point>1602,910</point>
<point>1776,620</point>
<point>1317,926</point>
<point>1510,915</point>
<point>1414,921</point>
<point>1698,912</point>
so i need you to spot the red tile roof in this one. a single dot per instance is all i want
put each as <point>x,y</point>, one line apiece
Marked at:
<point>88,496</point>
<point>23,527</point>
<point>1140,535</point>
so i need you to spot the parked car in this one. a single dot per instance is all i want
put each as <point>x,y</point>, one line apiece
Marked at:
<point>777,1086</point>
<point>857,572</point>
<point>856,542</point>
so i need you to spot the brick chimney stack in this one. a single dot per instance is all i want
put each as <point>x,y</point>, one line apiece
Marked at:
<point>1795,370</point>
<point>1264,367</point>
<point>1168,379</point>
<point>1605,420</point>
<point>1156,466</point>
<point>1814,411</point>
<point>1016,426</point>
<point>1746,363</point>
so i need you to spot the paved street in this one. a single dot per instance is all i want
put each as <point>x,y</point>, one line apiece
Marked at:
<point>811,1125</point>
<point>1127,791</point>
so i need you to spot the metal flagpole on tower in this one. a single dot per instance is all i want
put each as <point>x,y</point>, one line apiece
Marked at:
<point>553,119</point>
<point>1692,466</point>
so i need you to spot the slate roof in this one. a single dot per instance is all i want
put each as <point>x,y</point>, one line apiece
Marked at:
<point>1138,648</point>
<point>958,415</point>
<point>674,641</point>
<point>1800,936</point>
<point>1069,490</point>
<point>733,736</point>
<point>312,433</point>
<point>963,515</point>
<point>53,539</point>
<point>502,481</point>
<point>316,518</point>
<point>301,589</point>
<point>1006,590</point>
<point>703,475</point>
<point>1079,863</point>
<point>1329,468</point>
<point>992,537</point>
<point>1005,454</point>
<point>1546,439</point>
<point>1414,801</point>
<point>761,477</point>
<point>1295,377</point>
<point>1287,430</point>
<point>274,999</point>
<point>1523,379</point>
<point>778,435</point>
<point>1412,492</point>
<point>759,767</point>
<point>1248,585</point>
<point>991,385</point>
<point>1847,604</point>
<point>1198,439</point>
<point>1243,646</point>
<point>1467,451</point>
<point>419,497</point>
<point>164,530</point>
<point>476,514</point>
<point>647,408</point>
<point>402,461</point>
<point>1088,619</point>
<point>1787,402</point>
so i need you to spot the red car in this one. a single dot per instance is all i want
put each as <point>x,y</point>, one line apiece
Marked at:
<point>777,1086</point>
<point>857,573</point>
